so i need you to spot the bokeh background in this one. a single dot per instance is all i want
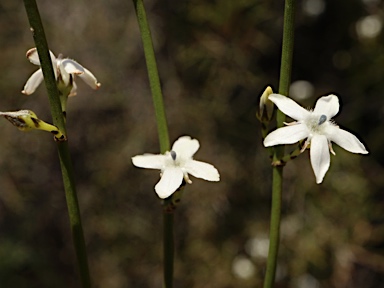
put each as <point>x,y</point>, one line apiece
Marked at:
<point>215,58</point>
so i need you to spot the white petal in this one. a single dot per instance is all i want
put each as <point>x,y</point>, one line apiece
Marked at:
<point>64,74</point>
<point>327,105</point>
<point>289,107</point>
<point>286,135</point>
<point>150,161</point>
<point>74,89</point>
<point>185,147</point>
<point>90,79</point>
<point>33,82</point>
<point>72,67</point>
<point>346,140</point>
<point>54,62</point>
<point>170,181</point>
<point>33,57</point>
<point>320,158</point>
<point>202,170</point>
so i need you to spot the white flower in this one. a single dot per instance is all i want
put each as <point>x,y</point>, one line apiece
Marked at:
<point>176,165</point>
<point>65,71</point>
<point>317,128</point>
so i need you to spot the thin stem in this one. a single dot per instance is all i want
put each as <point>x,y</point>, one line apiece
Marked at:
<point>153,75</point>
<point>168,249</point>
<point>287,52</point>
<point>277,174</point>
<point>274,232</point>
<point>74,213</point>
<point>157,96</point>
<point>65,160</point>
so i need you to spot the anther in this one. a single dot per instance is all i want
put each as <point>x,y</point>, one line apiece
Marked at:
<point>322,119</point>
<point>173,155</point>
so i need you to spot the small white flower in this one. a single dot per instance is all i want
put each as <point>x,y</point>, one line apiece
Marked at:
<point>317,128</point>
<point>176,165</point>
<point>65,71</point>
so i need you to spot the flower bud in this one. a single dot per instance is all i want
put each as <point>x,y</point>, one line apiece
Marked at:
<point>26,120</point>
<point>266,106</point>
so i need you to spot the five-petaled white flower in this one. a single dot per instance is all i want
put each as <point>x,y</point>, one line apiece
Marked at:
<point>317,128</point>
<point>176,165</point>
<point>65,71</point>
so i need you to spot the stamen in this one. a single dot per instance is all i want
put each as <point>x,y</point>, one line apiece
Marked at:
<point>322,119</point>
<point>186,178</point>
<point>306,144</point>
<point>173,155</point>
<point>291,123</point>
<point>330,148</point>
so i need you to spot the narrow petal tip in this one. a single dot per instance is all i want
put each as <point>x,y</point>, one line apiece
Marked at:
<point>202,170</point>
<point>90,79</point>
<point>149,161</point>
<point>30,52</point>
<point>33,82</point>
<point>320,158</point>
<point>346,140</point>
<point>363,150</point>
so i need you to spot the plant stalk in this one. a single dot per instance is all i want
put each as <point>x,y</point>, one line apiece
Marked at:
<point>168,249</point>
<point>153,75</point>
<point>277,173</point>
<point>157,96</point>
<point>64,156</point>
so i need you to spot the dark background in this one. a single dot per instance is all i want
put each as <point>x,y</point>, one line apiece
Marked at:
<point>215,58</point>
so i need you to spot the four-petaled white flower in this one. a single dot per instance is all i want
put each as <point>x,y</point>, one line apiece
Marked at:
<point>176,165</point>
<point>317,128</point>
<point>65,71</point>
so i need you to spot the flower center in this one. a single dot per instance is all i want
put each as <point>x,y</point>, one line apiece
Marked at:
<point>316,123</point>
<point>322,119</point>
<point>176,160</point>
<point>173,155</point>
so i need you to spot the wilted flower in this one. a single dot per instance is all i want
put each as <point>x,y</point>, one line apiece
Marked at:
<point>176,165</point>
<point>65,71</point>
<point>317,128</point>
<point>26,120</point>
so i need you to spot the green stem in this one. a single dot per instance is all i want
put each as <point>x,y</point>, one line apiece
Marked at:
<point>274,232</point>
<point>277,174</point>
<point>74,213</point>
<point>157,96</point>
<point>168,249</point>
<point>65,160</point>
<point>287,52</point>
<point>153,75</point>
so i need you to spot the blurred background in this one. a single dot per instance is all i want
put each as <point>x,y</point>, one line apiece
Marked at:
<point>215,58</point>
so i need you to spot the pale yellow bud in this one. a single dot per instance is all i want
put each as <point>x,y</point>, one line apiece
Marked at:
<point>265,106</point>
<point>26,120</point>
